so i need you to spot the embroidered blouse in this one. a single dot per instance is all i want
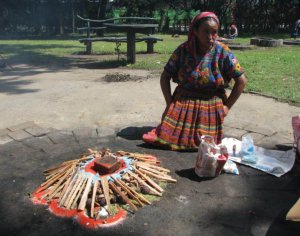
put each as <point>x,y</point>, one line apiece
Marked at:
<point>214,70</point>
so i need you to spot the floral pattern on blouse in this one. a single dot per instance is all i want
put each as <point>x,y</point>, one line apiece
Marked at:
<point>216,68</point>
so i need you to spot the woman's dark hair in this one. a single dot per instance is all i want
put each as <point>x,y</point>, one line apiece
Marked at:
<point>199,22</point>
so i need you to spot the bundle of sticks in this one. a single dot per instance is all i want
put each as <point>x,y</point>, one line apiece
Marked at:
<point>74,188</point>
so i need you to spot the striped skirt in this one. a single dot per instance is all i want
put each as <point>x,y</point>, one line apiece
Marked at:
<point>187,118</point>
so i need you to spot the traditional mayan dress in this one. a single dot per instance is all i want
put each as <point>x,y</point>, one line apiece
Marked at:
<point>197,103</point>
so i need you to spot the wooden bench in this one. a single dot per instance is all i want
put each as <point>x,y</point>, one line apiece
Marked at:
<point>150,40</point>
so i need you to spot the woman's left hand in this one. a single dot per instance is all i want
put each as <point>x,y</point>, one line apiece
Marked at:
<point>226,110</point>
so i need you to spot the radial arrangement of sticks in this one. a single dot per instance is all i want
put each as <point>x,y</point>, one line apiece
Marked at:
<point>101,186</point>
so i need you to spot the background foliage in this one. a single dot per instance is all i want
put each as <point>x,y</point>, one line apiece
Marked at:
<point>56,17</point>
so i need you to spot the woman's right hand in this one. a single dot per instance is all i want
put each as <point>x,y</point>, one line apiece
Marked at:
<point>165,112</point>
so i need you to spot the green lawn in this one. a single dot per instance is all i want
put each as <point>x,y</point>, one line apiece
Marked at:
<point>270,71</point>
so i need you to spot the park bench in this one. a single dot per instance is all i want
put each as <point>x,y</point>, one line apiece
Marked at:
<point>150,39</point>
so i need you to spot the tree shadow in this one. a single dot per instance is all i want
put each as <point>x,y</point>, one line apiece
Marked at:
<point>36,54</point>
<point>13,86</point>
<point>106,64</point>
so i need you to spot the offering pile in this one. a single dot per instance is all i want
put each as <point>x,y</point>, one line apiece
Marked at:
<point>100,187</point>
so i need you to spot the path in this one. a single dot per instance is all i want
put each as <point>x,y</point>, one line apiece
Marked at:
<point>66,99</point>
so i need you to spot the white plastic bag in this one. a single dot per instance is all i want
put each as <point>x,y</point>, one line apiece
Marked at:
<point>210,158</point>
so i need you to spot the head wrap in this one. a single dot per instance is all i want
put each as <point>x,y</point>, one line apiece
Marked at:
<point>191,35</point>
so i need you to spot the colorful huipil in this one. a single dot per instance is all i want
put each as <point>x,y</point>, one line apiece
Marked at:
<point>197,105</point>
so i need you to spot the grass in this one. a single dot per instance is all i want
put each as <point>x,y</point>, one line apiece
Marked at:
<point>270,71</point>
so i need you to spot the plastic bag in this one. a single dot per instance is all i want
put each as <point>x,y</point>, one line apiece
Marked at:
<point>248,150</point>
<point>231,168</point>
<point>211,158</point>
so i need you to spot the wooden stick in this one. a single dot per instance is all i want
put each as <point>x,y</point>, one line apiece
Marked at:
<point>93,198</point>
<point>75,193</point>
<point>81,188</point>
<point>65,187</point>
<point>143,157</point>
<point>62,179</point>
<point>126,199</point>
<point>53,180</point>
<point>58,170</point>
<point>72,192</point>
<point>153,170</point>
<point>163,178</point>
<point>55,193</point>
<point>142,198</point>
<point>70,186</point>
<point>54,169</point>
<point>159,168</point>
<point>53,176</point>
<point>152,190</point>
<point>64,165</point>
<point>149,180</point>
<point>105,189</point>
<point>85,194</point>
<point>128,190</point>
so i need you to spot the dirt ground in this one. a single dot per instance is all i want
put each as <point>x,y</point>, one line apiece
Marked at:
<point>71,96</point>
<point>67,98</point>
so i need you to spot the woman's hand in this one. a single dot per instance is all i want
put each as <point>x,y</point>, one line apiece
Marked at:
<point>165,112</point>
<point>238,88</point>
<point>226,110</point>
<point>166,86</point>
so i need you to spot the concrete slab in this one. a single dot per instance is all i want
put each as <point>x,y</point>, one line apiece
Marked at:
<point>103,131</point>
<point>233,132</point>
<point>39,143</point>
<point>277,141</point>
<point>61,136</point>
<point>19,135</point>
<point>20,126</point>
<point>37,131</point>
<point>5,139</point>
<point>85,132</point>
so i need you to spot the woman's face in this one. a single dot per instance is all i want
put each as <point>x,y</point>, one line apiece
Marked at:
<point>206,33</point>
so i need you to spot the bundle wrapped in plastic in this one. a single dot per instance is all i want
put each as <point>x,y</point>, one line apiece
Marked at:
<point>248,150</point>
<point>210,158</point>
<point>231,168</point>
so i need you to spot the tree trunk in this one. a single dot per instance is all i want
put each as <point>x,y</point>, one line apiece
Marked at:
<point>61,24</point>
<point>101,14</point>
<point>73,17</point>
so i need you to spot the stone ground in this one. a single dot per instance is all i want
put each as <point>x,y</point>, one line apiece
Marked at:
<point>48,116</point>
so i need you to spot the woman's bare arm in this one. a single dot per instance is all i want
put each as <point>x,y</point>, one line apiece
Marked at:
<point>238,88</point>
<point>166,87</point>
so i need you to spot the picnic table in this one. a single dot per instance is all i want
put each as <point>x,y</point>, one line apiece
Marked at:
<point>131,29</point>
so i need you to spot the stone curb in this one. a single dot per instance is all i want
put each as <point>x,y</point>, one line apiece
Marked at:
<point>133,132</point>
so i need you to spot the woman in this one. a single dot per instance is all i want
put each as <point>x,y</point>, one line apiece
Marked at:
<point>201,67</point>
<point>233,31</point>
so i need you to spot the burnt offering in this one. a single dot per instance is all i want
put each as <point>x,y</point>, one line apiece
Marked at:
<point>106,164</point>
